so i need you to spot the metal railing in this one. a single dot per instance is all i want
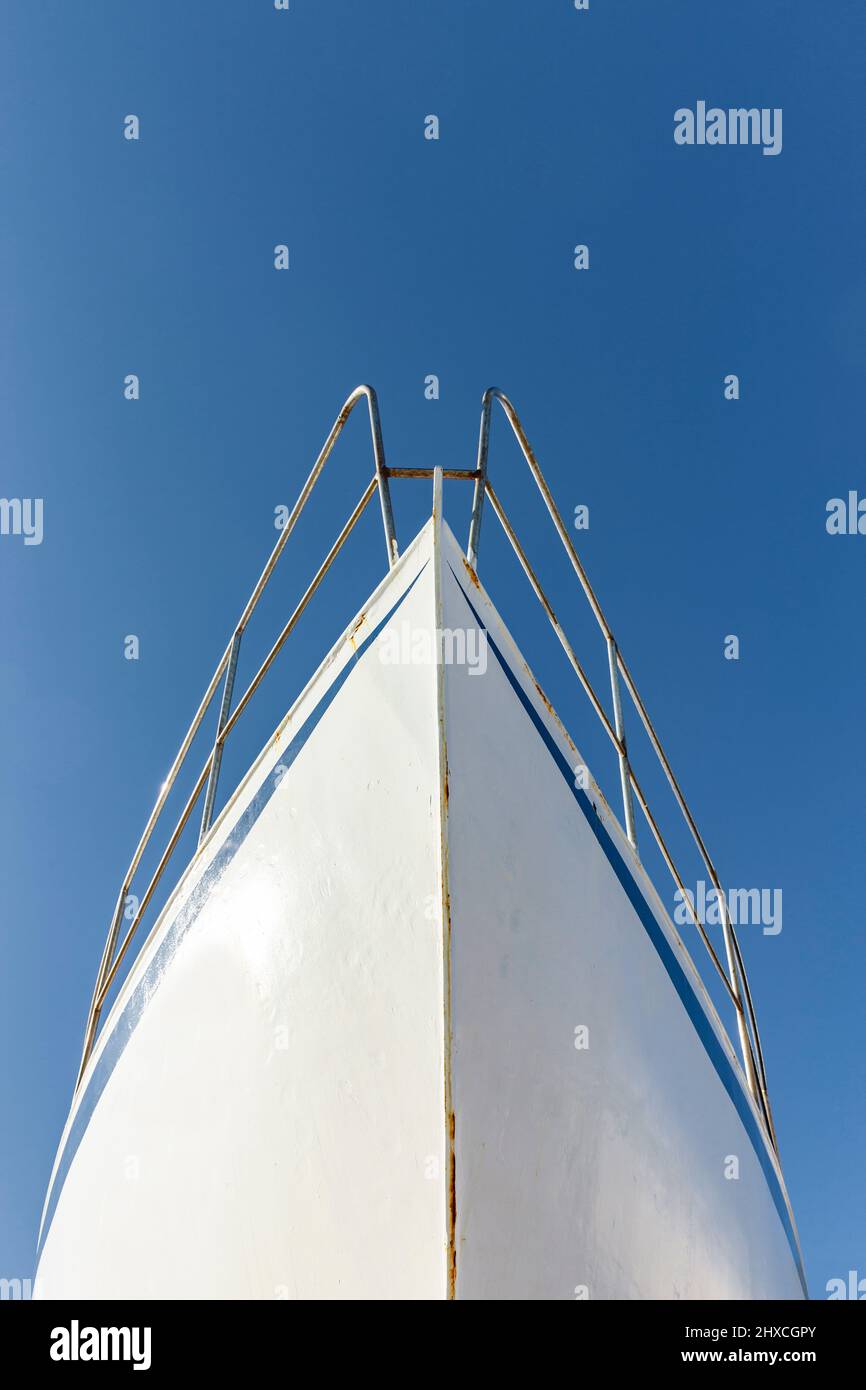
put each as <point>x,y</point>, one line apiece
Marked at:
<point>227,667</point>
<point>733,976</point>
<point>734,979</point>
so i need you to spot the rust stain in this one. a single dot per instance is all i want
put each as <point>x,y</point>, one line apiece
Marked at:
<point>470,571</point>
<point>450,1123</point>
<point>358,623</point>
<point>452,1210</point>
<point>548,706</point>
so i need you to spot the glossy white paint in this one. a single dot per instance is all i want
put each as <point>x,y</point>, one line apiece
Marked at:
<point>404,911</point>
<point>273,1126</point>
<point>595,1172</point>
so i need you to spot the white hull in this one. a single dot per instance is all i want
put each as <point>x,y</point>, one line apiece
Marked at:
<point>344,1064</point>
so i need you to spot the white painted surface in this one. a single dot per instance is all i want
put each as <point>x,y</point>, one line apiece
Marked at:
<point>600,1169</point>
<point>275,1125</point>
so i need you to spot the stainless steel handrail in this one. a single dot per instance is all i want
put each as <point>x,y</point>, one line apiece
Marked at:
<point>735,979</point>
<point>109,962</point>
<point>606,724</point>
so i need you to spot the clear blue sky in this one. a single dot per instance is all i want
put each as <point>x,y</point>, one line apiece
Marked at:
<point>410,257</point>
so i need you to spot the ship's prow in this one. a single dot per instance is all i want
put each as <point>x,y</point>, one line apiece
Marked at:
<point>414,1022</point>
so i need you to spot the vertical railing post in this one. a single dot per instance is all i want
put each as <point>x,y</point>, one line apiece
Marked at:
<point>734,977</point>
<point>480,482</point>
<point>619,725</point>
<point>382,478</point>
<point>95,1009</point>
<point>217,754</point>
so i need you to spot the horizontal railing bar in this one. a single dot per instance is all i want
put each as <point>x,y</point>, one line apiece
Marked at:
<point>275,649</point>
<point>154,882</point>
<point>469,474</point>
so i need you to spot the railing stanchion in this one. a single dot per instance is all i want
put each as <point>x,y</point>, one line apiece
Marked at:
<point>619,724</point>
<point>382,478</point>
<point>480,483</point>
<point>217,755</point>
<point>734,975</point>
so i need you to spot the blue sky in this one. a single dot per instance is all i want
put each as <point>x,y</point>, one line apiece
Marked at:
<point>454,257</point>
